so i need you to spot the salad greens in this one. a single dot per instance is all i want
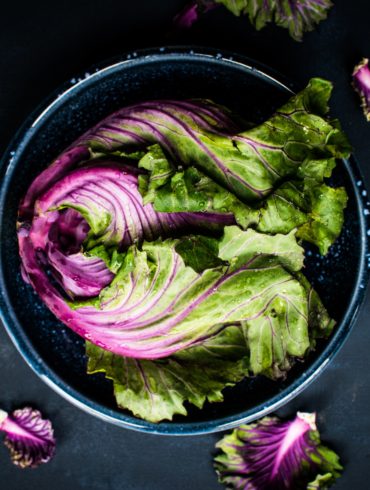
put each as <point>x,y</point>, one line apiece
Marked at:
<point>264,315</point>
<point>156,305</point>
<point>169,237</point>
<point>157,390</point>
<point>274,454</point>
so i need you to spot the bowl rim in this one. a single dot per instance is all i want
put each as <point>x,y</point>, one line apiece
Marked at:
<point>47,374</point>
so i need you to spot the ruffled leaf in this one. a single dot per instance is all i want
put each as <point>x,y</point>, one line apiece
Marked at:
<point>165,298</point>
<point>361,83</point>
<point>273,454</point>
<point>296,142</point>
<point>315,209</point>
<point>29,437</point>
<point>266,343</point>
<point>249,164</point>
<point>157,390</point>
<point>159,171</point>
<point>97,221</point>
<point>298,16</point>
<point>237,7</point>
<point>191,13</point>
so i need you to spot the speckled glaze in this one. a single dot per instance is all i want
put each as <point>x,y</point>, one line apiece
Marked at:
<point>53,351</point>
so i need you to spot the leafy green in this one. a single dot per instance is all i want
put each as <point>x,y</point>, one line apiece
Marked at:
<point>159,168</point>
<point>171,306</point>
<point>199,252</point>
<point>262,317</point>
<point>174,230</point>
<point>249,164</point>
<point>276,454</point>
<point>190,190</point>
<point>315,209</point>
<point>157,390</point>
<point>309,205</point>
<point>293,152</point>
<point>297,16</point>
<point>361,83</point>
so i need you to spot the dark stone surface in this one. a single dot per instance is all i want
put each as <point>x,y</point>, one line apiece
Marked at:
<point>42,44</point>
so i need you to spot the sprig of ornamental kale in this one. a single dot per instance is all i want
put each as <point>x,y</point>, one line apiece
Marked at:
<point>361,83</point>
<point>29,437</point>
<point>273,454</point>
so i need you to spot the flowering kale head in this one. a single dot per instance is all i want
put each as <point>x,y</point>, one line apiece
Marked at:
<point>168,212</point>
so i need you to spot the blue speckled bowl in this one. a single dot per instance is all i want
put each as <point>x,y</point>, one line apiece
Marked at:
<point>54,352</point>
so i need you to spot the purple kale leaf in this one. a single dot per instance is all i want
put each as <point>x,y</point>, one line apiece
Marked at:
<point>274,454</point>
<point>191,13</point>
<point>300,16</point>
<point>361,83</point>
<point>29,437</point>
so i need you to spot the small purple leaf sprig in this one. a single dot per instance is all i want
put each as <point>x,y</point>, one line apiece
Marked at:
<point>361,83</point>
<point>273,454</point>
<point>29,437</point>
<point>191,13</point>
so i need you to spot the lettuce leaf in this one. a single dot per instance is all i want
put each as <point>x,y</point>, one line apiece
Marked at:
<point>157,390</point>
<point>309,205</point>
<point>315,209</point>
<point>296,142</point>
<point>153,306</point>
<point>290,318</point>
<point>249,164</point>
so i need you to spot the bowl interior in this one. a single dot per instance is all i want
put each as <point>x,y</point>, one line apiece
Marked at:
<point>58,353</point>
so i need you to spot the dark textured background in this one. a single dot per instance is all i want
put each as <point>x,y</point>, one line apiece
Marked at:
<point>42,44</point>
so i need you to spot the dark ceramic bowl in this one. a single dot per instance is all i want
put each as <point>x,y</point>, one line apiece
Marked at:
<point>53,351</point>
